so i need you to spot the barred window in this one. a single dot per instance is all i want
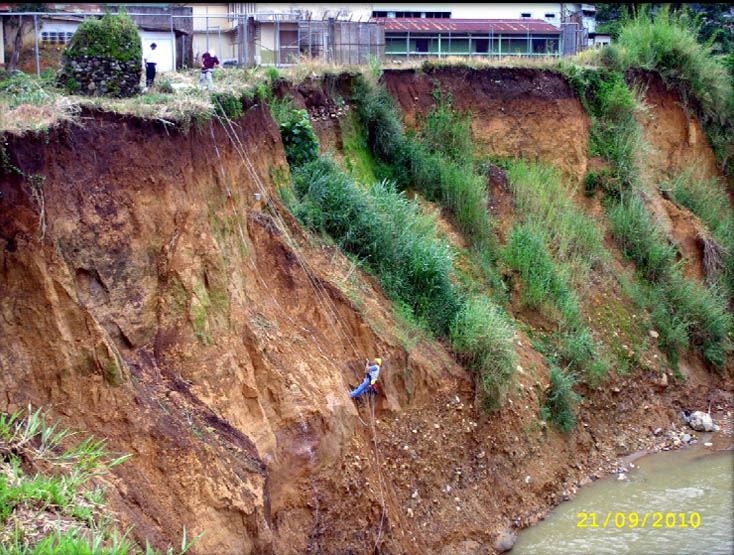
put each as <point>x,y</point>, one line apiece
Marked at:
<point>53,37</point>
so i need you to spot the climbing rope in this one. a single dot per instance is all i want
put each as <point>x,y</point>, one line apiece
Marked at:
<point>323,298</point>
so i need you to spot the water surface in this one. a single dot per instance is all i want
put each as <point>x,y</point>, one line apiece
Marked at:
<point>675,484</point>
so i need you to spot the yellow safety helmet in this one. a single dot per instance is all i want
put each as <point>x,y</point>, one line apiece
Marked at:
<point>378,361</point>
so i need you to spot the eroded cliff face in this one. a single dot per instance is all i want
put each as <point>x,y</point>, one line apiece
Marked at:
<point>148,297</point>
<point>675,134</point>
<point>515,112</point>
<point>677,144</point>
<point>145,304</point>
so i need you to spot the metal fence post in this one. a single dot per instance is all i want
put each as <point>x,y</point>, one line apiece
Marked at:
<point>35,36</point>
<point>332,39</point>
<point>173,43</point>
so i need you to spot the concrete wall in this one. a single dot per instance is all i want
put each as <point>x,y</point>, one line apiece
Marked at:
<point>217,17</point>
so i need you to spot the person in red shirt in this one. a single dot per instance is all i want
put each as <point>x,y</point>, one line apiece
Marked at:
<point>208,62</point>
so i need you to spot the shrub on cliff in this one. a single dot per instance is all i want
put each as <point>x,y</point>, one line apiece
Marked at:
<point>299,140</point>
<point>560,399</point>
<point>483,336</point>
<point>385,230</point>
<point>103,58</point>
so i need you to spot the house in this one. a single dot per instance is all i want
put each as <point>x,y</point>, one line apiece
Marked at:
<point>470,37</point>
<point>434,29</point>
<point>214,29</point>
<point>169,26</point>
<point>602,39</point>
<point>473,29</point>
<point>279,34</point>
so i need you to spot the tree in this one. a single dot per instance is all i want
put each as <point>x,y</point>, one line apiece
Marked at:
<point>14,27</point>
<point>717,24</point>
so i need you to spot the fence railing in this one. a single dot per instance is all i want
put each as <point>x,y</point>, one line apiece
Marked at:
<point>238,38</point>
<point>280,39</point>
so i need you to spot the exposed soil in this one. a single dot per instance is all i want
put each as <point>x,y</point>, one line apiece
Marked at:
<point>677,139</point>
<point>179,322</point>
<point>516,112</point>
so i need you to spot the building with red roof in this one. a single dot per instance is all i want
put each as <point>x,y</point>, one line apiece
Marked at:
<point>470,37</point>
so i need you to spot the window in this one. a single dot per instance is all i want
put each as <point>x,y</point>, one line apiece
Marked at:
<point>550,15</point>
<point>525,14</point>
<point>427,15</point>
<point>481,46</point>
<point>52,37</point>
<point>421,45</point>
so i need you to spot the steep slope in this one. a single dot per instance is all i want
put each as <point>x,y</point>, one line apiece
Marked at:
<point>149,297</point>
<point>677,139</point>
<point>143,304</point>
<point>516,112</point>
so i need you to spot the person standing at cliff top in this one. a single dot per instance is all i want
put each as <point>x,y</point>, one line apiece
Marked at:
<point>151,59</point>
<point>372,372</point>
<point>209,61</point>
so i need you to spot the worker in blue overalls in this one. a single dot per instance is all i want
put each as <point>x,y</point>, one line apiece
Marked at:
<point>372,372</point>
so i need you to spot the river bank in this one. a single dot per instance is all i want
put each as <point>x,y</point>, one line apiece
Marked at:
<point>673,497</point>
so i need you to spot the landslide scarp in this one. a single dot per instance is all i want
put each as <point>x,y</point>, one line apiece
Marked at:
<point>149,297</point>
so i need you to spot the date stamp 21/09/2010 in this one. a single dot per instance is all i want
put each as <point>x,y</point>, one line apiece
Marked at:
<point>619,520</point>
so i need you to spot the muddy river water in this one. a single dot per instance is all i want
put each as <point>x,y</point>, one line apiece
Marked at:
<point>678,502</point>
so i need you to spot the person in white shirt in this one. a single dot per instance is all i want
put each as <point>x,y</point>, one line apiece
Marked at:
<point>372,372</point>
<point>151,60</point>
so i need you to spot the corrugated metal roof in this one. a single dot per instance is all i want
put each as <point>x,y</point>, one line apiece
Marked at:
<point>431,25</point>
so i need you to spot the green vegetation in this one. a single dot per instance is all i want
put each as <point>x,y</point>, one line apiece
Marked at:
<point>227,105</point>
<point>552,248</point>
<point>50,500</point>
<point>28,102</point>
<point>395,240</point>
<point>640,239</point>
<point>560,399</point>
<point>684,312</point>
<point>357,155</point>
<point>709,200</point>
<point>615,134</point>
<point>113,36</point>
<point>668,43</point>
<point>20,88</point>
<point>299,140</point>
<point>545,200</point>
<point>384,230</point>
<point>543,280</point>
<point>63,493</point>
<point>423,165</point>
<point>447,131</point>
<point>483,336</point>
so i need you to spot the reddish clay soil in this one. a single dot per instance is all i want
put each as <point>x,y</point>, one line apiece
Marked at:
<point>180,322</point>
<point>677,139</point>
<point>516,112</point>
<point>678,144</point>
